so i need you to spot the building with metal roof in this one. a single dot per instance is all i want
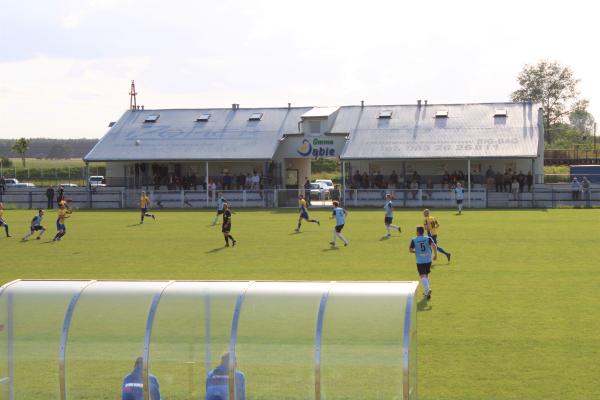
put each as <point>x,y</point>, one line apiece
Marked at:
<point>153,146</point>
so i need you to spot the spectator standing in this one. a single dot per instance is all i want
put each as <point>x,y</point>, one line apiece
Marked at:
<point>60,194</point>
<point>587,191</point>
<point>226,180</point>
<point>575,189</point>
<point>506,178</point>
<point>2,185</point>
<point>357,179</point>
<point>50,197</point>
<point>393,180</point>
<point>307,190</point>
<point>521,180</point>
<point>529,180</point>
<point>193,181</point>
<point>499,181</point>
<point>514,187</point>
<point>241,181</point>
<point>489,178</point>
<point>445,180</point>
<point>414,187</point>
<point>365,180</point>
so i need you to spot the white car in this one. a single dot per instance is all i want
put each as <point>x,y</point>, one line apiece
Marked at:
<point>319,190</point>
<point>96,181</point>
<point>328,182</point>
<point>14,183</point>
<point>69,185</point>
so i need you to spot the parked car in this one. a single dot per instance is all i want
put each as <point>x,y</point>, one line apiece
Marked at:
<point>14,183</point>
<point>66,185</point>
<point>319,190</point>
<point>96,181</point>
<point>328,182</point>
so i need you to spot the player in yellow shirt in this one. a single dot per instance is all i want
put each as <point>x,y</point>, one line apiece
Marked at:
<point>63,214</point>
<point>3,221</point>
<point>303,207</point>
<point>431,225</point>
<point>144,204</point>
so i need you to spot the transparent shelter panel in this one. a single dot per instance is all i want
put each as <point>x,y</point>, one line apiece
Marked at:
<point>362,341</point>
<point>191,331</point>
<point>275,346</point>
<point>413,393</point>
<point>37,311</point>
<point>106,337</point>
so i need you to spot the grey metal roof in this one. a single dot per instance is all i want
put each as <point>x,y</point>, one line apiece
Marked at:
<point>176,135</point>
<point>413,132</point>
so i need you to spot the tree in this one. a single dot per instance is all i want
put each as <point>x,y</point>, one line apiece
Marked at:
<point>58,151</point>
<point>580,118</point>
<point>551,84</point>
<point>20,147</point>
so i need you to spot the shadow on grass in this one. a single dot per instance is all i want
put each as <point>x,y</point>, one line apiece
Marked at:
<point>423,305</point>
<point>331,248</point>
<point>133,225</point>
<point>216,250</point>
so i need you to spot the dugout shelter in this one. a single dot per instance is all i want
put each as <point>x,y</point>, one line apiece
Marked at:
<point>292,340</point>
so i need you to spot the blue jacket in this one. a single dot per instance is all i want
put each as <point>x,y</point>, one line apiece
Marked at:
<point>217,384</point>
<point>133,387</point>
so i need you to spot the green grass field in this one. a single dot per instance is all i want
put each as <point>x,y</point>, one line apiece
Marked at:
<point>513,316</point>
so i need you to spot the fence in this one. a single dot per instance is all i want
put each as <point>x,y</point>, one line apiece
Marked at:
<point>51,176</point>
<point>541,196</point>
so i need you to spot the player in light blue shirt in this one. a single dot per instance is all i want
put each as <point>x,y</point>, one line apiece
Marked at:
<point>424,249</point>
<point>340,220</point>
<point>220,202</point>
<point>36,225</point>
<point>459,195</point>
<point>389,215</point>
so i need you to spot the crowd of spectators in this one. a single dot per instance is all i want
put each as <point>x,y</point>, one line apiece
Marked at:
<point>226,181</point>
<point>508,181</point>
<point>376,180</point>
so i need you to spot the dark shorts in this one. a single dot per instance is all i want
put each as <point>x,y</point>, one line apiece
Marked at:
<point>459,201</point>
<point>2,222</point>
<point>338,228</point>
<point>61,227</point>
<point>424,268</point>
<point>226,228</point>
<point>219,212</point>
<point>37,228</point>
<point>388,220</point>
<point>144,209</point>
<point>434,237</point>
<point>304,215</point>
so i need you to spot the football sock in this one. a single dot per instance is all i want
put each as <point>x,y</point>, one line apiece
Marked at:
<point>425,282</point>
<point>387,227</point>
<point>299,224</point>
<point>334,236</point>
<point>6,229</point>
<point>393,226</point>
<point>57,236</point>
<point>28,235</point>
<point>227,239</point>
<point>41,233</point>
<point>342,238</point>
<point>442,251</point>
<point>232,239</point>
<point>142,220</point>
<point>215,220</point>
<point>313,220</point>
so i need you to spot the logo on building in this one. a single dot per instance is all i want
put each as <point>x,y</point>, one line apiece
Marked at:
<point>317,148</point>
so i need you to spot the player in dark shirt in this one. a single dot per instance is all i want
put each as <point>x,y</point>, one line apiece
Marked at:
<point>227,225</point>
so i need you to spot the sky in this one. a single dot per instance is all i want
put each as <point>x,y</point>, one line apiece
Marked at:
<point>66,66</point>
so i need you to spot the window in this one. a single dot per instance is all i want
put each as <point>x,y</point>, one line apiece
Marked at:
<point>441,114</point>
<point>257,116</point>
<point>203,118</point>
<point>152,118</point>
<point>385,114</point>
<point>501,112</point>
<point>314,126</point>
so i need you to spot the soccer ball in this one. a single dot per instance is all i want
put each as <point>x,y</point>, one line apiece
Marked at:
<point>137,142</point>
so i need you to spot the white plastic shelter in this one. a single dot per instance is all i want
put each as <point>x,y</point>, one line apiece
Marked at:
<point>291,340</point>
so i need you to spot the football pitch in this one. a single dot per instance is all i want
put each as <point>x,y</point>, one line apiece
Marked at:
<point>515,315</point>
